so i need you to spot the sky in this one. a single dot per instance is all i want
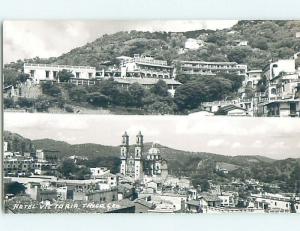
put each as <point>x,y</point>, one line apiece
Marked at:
<point>28,39</point>
<point>277,138</point>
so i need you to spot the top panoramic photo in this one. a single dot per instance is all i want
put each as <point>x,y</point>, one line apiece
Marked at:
<point>157,67</point>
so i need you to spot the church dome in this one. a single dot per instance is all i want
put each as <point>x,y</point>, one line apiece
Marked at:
<point>154,150</point>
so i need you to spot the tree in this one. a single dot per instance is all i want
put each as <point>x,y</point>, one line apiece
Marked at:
<point>13,77</point>
<point>160,107</point>
<point>160,88</point>
<point>97,99</point>
<point>137,92</point>
<point>23,77</point>
<point>262,84</point>
<point>51,89</point>
<point>8,103</point>
<point>110,89</point>
<point>182,78</point>
<point>190,95</point>
<point>78,94</point>
<point>25,102</point>
<point>14,188</point>
<point>124,98</point>
<point>82,173</point>
<point>261,43</point>
<point>42,104</point>
<point>64,75</point>
<point>67,168</point>
<point>239,54</point>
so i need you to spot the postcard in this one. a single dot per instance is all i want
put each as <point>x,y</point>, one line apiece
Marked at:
<point>151,116</point>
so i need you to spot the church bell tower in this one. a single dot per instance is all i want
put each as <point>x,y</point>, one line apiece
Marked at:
<point>138,152</point>
<point>124,152</point>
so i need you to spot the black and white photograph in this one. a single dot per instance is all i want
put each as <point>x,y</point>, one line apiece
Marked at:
<point>150,164</point>
<point>179,67</point>
<point>151,116</point>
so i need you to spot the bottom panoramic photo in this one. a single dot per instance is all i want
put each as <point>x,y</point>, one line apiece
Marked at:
<point>59,163</point>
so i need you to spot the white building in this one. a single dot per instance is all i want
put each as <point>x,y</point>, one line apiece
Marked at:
<point>144,67</point>
<point>212,68</point>
<point>5,146</point>
<point>42,72</point>
<point>272,202</point>
<point>252,78</point>
<point>193,44</point>
<point>107,181</point>
<point>99,171</point>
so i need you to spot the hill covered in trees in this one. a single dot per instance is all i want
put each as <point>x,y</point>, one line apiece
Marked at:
<point>266,40</point>
<point>199,166</point>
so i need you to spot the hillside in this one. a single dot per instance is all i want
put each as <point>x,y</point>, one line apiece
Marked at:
<point>18,143</point>
<point>199,166</point>
<point>254,43</point>
<point>266,40</point>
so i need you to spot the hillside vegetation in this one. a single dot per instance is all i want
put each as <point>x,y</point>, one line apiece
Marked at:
<point>199,166</point>
<point>266,40</point>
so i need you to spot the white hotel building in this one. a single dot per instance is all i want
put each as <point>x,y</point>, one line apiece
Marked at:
<point>212,68</point>
<point>42,72</point>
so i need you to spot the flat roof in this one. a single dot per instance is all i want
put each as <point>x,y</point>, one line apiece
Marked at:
<point>57,66</point>
<point>145,81</point>
<point>216,63</point>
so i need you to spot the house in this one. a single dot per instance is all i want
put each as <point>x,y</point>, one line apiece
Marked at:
<point>252,78</point>
<point>232,110</point>
<point>143,206</point>
<point>194,206</point>
<point>193,44</point>
<point>203,203</point>
<point>147,83</point>
<point>209,200</point>
<point>282,108</point>
<point>271,202</point>
<point>44,72</point>
<point>98,171</point>
<point>227,200</point>
<point>107,181</point>
<point>211,68</point>
<point>145,67</point>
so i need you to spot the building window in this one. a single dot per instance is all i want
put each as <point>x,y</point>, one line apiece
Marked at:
<point>90,75</point>
<point>32,73</point>
<point>54,74</point>
<point>77,74</point>
<point>47,74</point>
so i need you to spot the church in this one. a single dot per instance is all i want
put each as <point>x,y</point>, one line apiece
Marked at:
<point>137,164</point>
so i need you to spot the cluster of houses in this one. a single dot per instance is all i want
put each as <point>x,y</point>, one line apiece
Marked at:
<point>143,185</point>
<point>23,164</point>
<point>279,98</point>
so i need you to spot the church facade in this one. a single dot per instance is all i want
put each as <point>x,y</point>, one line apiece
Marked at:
<point>136,163</point>
<point>131,163</point>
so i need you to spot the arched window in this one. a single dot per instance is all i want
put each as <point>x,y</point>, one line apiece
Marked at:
<point>273,91</point>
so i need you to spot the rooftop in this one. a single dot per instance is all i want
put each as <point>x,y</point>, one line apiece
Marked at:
<point>145,81</point>
<point>58,66</point>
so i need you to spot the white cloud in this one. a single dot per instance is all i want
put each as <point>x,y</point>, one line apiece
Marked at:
<point>277,145</point>
<point>257,144</point>
<point>236,145</point>
<point>215,143</point>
